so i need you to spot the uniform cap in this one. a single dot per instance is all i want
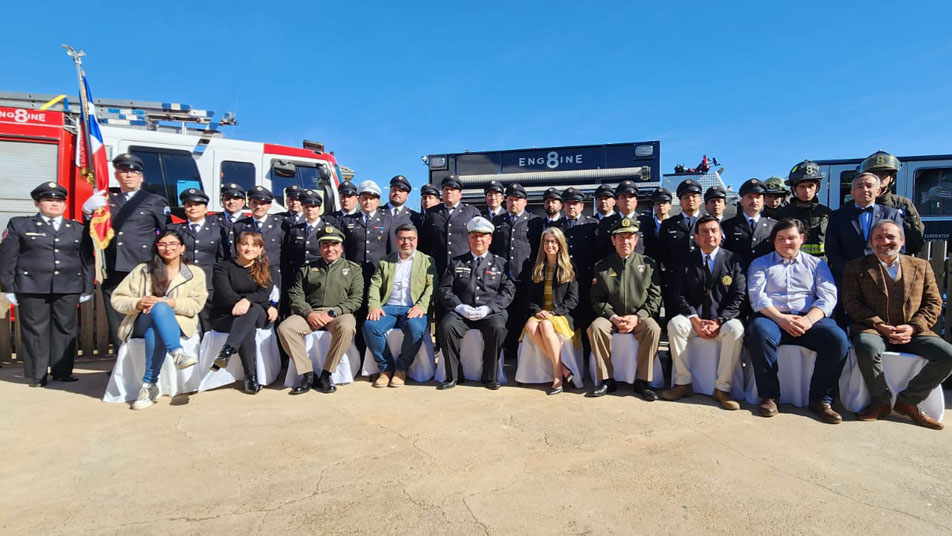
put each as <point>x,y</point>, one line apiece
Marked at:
<point>662,195</point>
<point>516,190</point>
<point>451,181</point>
<point>753,186</point>
<point>48,190</point>
<point>429,189</point>
<point>369,187</point>
<point>626,187</point>
<point>399,181</point>
<point>625,225</point>
<point>347,188</point>
<point>232,190</point>
<point>193,195</point>
<point>715,192</point>
<point>330,234</point>
<point>571,194</point>
<point>493,186</point>
<point>689,186</point>
<point>128,160</point>
<point>311,198</point>
<point>294,191</point>
<point>261,193</point>
<point>552,193</point>
<point>604,190</point>
<point>480,225</point>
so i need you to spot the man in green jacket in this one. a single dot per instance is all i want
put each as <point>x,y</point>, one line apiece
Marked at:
<point>399,295</point>
<point>626,298</point>
<point>324,296</point>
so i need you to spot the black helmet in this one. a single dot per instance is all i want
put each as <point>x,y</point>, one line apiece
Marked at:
<point>807,170</point>
<point>880,161</point>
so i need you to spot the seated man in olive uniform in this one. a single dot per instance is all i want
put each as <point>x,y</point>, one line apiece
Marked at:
<point>324,296</point>
<point>474,293</point>
<point>626,298</point>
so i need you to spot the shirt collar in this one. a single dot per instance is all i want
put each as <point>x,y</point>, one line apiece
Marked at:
<point>262,221</point>
<point>632,216</point>
<point>410,258</point>
<point>200,223</point>
<point>712,254</point>
<point>871,205</point>
<point>753,219</point>
<point>893,264</point>
<point>778,259</point>
<point>556,218</point>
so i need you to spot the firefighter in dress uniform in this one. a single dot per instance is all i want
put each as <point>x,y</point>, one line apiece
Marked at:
<point>301,246</point>
<point>580,231</point>
<point>233,198</point>
<point>626,206</point>
<point>46,268</point>
<point>493,193</point>
<point>397,207</point>
<point>552,205</point>
<point>347,192</point>
<point>429,197</point>
<point>443,235</point>
<point>205,242</point>
<point>295,211</point>
<point>137,216</point>
<point>748,233</point>
<point>650,224</point>
<point>715,201</point>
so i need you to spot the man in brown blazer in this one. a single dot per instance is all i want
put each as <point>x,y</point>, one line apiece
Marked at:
<point>893,302</point>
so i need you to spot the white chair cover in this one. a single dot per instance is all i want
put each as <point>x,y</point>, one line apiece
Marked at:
<point>471,359</point>
<point>702,356</point>
<point>267,364</point>
<point>423,366</point>
<point>534,367</point>
<point>899,369</point>
<point>794,370</point>
<point>126,378</point>
<point>317,344</point>
<point>625,362</point>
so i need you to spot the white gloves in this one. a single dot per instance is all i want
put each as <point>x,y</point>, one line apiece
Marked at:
<point>11,297</point>
<point>275,296</point>
<point>95,201</point>
<point>85,298</point>
<point>472,313</point>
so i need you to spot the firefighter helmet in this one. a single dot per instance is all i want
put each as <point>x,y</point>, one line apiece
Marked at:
<point>775,185</point>
<point>807,170</point>
<point>880,161</point>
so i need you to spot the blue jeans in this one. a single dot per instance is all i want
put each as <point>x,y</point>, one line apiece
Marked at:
<point>375,332</point>
<point>825,338</point>
<point>160,320</point>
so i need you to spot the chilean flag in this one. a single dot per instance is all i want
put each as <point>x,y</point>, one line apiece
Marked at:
<point>101,222</point>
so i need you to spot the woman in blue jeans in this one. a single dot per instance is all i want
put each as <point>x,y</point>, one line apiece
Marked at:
<point>161,300</point>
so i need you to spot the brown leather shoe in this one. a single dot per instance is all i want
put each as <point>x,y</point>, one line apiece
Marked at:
<point>825,412</point>
<point>917,416</point>
<point>768,407</point>
<point>726,400</point>
<point>383,379</point>
<point>678,391</point>
<point>399,379</point>
<point>874,411</point>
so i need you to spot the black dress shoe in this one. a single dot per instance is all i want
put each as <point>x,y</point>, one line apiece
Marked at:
<point>66,379</point>
<point>305,384</point>
<point>601,390</point>
<point>493,385</point>
<point>611,384</point>
<point>324,383</point>
<point>222,360</point>
<point>442,386</point>
<point>39,383</point>
<point>645,391</point>
<point>252,386</point>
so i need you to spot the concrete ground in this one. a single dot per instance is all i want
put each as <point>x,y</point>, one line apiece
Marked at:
<point>468,461</point>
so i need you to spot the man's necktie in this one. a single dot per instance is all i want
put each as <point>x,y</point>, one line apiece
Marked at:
<point>194,227</point>
<point>309,229</point>
<point>753,226</point>
<point>708,278</point>
<point>258,226</point>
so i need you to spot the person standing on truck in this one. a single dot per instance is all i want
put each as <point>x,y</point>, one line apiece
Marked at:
<point>775,196</point>
<point>493,192</point>
<point>137,216</point>
<point>205,242</point>
<point>886,166</point>
<point>46,268</point>
<point>805,179</point>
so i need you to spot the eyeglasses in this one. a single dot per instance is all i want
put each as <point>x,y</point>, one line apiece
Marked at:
<point>168,245</point>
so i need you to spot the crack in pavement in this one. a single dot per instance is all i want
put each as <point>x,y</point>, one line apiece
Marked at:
<point>419,504</point>
<point>317,489</point>
<point>473,515</point>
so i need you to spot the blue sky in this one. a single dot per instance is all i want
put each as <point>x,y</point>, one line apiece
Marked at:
<point>758,85</point>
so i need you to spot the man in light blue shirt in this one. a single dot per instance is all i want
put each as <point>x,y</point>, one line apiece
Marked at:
<point>793,296</point>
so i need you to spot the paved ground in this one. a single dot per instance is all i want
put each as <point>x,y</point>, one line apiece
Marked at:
<point>466,461</point>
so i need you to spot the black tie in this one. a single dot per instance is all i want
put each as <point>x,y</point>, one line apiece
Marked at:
<point>753,226</point>
<point>708,277</point>
<point>194,228</point>
<point>309,229</point>
<point>867,209</point>
<point>477,265</point>
<point>258,226</point>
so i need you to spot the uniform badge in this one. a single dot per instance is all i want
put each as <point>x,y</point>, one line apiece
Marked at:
<point>232,185</point>
<point>51,184</point>
<point>727,280</point>
<point>625,222</point>
<point>345,271</point>
<point>328,229</point>
<point>641,268</point>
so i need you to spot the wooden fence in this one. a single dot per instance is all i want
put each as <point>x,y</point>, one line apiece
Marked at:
<point>93,338</point>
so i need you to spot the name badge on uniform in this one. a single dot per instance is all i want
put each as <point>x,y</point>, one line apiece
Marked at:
<point>490,273</point>
<point>35,234</point>
<point>315,269</point>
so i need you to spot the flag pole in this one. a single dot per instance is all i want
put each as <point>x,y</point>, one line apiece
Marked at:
<point>89,172</point>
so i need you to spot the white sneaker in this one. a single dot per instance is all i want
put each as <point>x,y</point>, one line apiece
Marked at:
<point>147,395</point>
<point>182,360</point>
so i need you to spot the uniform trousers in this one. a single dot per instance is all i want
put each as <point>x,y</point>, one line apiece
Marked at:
<point>869,356</point>
<point>113,317</point>
<point>295,328</point>
<point>825,338</point>
<point>375,335</point>
<point>648,335</point>
<point>48,334</point>
<point>241,335</point>
<point>731,337</point>
<point>450,333</point>
<point>518,313</point>
<point>161,332</point>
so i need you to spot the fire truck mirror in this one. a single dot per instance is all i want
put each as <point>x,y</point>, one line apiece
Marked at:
<point>283,169</point>
<point>325,173</point>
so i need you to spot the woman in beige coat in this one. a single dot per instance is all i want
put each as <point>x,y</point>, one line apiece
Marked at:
<point>161,300</point>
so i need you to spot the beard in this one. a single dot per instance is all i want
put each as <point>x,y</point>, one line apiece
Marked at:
<point>551,212</point>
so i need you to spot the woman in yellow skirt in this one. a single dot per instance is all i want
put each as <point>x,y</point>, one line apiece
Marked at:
<point>553,293</point>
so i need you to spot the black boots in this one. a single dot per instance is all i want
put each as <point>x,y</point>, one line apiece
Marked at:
<point>222,360</point>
